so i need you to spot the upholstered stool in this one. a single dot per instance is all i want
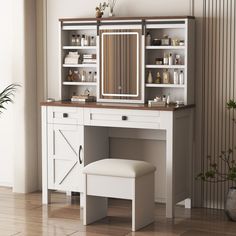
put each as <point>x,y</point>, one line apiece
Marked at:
<point>119,178</point>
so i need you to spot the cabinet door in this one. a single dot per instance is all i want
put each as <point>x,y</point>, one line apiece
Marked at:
<point>65,157</point>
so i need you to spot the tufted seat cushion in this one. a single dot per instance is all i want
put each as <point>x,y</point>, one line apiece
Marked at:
<point>119,168</point>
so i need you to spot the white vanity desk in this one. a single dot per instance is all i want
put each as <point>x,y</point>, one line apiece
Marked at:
<point>74,135</point>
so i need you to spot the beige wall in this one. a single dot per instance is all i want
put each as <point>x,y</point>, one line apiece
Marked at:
<point>7,137</point>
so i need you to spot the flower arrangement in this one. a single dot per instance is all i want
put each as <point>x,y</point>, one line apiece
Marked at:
<point>112,4</point>
<point>100,9</point>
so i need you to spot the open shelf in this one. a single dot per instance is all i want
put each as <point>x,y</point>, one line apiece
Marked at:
<point>166,47</point>
<point>81,83</point>
<point>165,66</point>
<point>80,47</point>
<point>80,65</point>
<point>164,85</point>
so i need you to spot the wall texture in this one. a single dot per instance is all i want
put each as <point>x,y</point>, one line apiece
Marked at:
<point>219,68</point>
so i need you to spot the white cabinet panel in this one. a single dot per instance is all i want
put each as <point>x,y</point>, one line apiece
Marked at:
<point>65,115</point>
<point>65,157</point>
<point>122,118</point>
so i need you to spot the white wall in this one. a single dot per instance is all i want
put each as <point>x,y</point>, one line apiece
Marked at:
<point>18,125</point>
<point>7,134</point>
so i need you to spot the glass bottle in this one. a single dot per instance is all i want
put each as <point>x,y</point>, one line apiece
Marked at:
<point>86,41</point>
<point>95,77</point>
<point>92,41</point>
<point>170,59</point>
<point>176,76</point>
<point>149,78</point>
<point>70,76</point>
<point>158,78</point>
<point>83,40</point>
<point>166,59</point>
<point>148,39</point>
<point>77,40</point>
<point>90,79</point>
<point>83,78</point>
<point>75,76</point>
<point>181,77</point>
<point>177,59</point>
<point>73,41</point>
<point>166,77</point>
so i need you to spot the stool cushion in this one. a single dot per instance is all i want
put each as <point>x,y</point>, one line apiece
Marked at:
<point>119,168</point>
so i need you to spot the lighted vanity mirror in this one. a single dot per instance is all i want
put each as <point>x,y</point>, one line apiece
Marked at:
<point>121,65</point>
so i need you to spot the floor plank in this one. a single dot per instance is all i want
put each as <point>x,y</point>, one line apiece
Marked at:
<point>24,215</point>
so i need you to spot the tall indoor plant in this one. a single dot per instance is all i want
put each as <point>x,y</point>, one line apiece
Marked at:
<point>215,175</point>
<point>6,96</point>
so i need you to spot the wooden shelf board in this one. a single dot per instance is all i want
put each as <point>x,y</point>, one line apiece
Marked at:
<point>166,66</point>
<point>80,65</point>
<point>165,47</point>
<point>79,47</point>
<point>80,83</point>
<point>164,85</point>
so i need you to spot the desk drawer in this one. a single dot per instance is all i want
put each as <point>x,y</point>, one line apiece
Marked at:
<point>65,115</point>
<point>123,118</point>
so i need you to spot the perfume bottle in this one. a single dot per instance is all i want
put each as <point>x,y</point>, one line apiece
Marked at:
<point>73,40</point>
<point>148,39</point>
<point>158,78</point>
<point>166,77</point>
<point>77,40</point>
<point>149,78</point>
<point>83,78</point>
<point>95,77</point>
<point>181,77</point>
<point>176,76</point>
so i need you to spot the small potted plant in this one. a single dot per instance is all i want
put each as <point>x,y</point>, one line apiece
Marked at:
<point>215,175</point>
<point>100,9</point>
<point>6,96</point>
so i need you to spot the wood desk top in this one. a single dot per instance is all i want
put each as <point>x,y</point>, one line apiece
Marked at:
<point>115,105</point>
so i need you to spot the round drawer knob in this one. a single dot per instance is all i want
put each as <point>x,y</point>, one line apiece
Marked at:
<point>124,118</point>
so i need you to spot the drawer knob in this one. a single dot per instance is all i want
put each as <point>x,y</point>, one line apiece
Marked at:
<point>65,115</point>
<point>124,118</point>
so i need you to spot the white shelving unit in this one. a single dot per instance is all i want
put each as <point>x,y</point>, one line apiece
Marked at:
<point>67,29</point>
<point>176,28</point>
<point>180,29</point>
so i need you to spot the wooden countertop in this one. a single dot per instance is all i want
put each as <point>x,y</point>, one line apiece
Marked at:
<point>115,105</point>
<point>127,18</point>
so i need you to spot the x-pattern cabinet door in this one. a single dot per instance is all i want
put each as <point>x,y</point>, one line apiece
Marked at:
<point>65,157</point>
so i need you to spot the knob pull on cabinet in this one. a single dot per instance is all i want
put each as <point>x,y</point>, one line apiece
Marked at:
<point>65,115</point>
<point>124,118</point>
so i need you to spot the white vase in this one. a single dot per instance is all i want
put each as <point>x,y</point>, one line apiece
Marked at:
<point>111,12</point>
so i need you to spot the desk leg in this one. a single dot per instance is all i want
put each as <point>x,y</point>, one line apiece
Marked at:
<point>170,204</point>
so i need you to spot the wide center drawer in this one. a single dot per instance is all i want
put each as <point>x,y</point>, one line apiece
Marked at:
<point>122,118</point>
<point>65,115</point>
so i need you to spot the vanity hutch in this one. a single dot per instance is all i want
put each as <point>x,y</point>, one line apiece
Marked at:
<point>121,63</point>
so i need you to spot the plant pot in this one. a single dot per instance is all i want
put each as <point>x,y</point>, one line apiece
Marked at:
<point>230,204</point>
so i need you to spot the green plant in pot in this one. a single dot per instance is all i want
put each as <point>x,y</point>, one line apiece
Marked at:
<point>6,96</point>
<point>215,175</point>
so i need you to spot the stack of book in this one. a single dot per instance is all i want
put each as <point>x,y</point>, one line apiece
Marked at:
<point>83,98</point>
<point>155,103</point>
<point>89,58</point>
<point>72,58</point>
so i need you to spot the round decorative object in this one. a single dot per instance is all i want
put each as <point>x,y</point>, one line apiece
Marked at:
<point>230,204</point>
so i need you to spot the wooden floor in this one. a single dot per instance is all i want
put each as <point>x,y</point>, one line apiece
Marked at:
<point>25,215</point>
